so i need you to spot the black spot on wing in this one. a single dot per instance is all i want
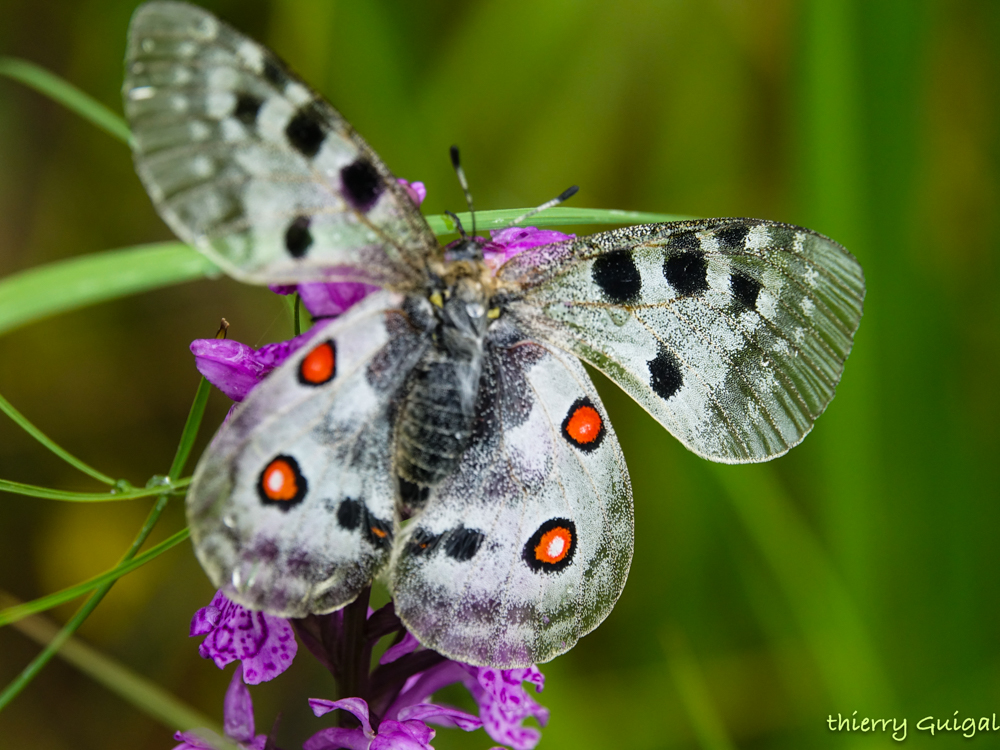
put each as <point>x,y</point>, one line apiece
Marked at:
<point>298,238</point>
<point>274,73</point>
<point>422,542</point>
<point>686,270</point>
<point>247,107</point>
<point>745,289</point>
<point>463,544</point>
<point>615,273</point>
<point>665,377</point>
<point>378,532</point>
<point>732,236</point>
<point>362,183</point>
<point>306,131</point>
<point>350,513</point>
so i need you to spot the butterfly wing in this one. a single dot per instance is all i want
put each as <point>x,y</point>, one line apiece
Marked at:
<point>246,163</point>
<point>292,505</point>
<point>527,546</point>
<point>732,333</point>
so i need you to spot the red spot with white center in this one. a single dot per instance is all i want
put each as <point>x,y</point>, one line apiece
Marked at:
<point>554,545</point>
<point>281,482</point>
<point>320,365</point>
<point>551,547</point>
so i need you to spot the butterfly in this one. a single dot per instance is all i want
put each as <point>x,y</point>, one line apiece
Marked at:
<point>443,431</point>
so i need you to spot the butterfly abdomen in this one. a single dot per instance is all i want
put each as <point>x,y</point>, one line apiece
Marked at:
<point>435,421</point>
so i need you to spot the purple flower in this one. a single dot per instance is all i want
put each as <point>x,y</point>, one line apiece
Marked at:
<point>264,643</point>
<point>238,724</point>
<point>504,244</point>
<point>504,704</point>
<point>235,368</point>
<point>407,731</point>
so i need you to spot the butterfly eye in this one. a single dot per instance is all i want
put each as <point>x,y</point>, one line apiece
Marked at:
<point>320,365</point>
<point>583,426</point>
<point>552,546</point>
<point>281,483</point>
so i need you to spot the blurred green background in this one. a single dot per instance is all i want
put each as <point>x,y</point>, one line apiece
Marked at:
<point>859,573</point>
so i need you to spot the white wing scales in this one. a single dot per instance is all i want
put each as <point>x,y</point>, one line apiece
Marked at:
<point>309,536</point>
<point>246,163</point>
<point>731,332</point>
<point>465,576</point>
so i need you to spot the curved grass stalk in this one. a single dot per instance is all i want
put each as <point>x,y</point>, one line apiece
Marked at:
<point>65,93</point>
<point>21,421</point>
<point>191,427</point>
<point>116,677</point>
<point>32,490</point>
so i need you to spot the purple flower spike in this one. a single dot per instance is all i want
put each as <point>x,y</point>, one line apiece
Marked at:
<point>264,643</point>
<point>235,368</point>
<point>504,244</point>
<point>504,704</point>
<point>405,732</point>
<point>238,722</point>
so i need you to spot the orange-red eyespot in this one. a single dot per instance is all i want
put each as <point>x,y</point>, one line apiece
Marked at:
<point>320,365</point>
<point>583,426</point>
<point>281,483</point>
<point>380,533</point>
<point>551,547</point>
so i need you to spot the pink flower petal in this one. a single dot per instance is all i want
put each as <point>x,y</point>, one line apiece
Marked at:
<point>329,300</point>
<point>235,368</point>
<point>446,716</point>
<point>237,709</point>
<point>264,643</point>
<point>356,706</point>
<point>406,646</point>
<point>335,738</point>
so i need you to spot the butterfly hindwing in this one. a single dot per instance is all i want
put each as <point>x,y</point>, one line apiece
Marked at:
<point>292,506</point>
<point>527,546</point>
<point>249,165</point>
<point>732,333</point>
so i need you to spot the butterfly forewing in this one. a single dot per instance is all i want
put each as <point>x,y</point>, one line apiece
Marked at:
<point>292,506</point>
<point>731,332</point>
<point>245,162</point>
<point>526,547</point>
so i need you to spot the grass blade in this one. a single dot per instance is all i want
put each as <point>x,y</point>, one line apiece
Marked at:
<point>190,431</point>
<point>32,490</point>
<point>96,277</point>
<point>11,614</point>
<point>141,692</point>
<point>21,421</point>
<point>551,217</point>
<point>59,90</point>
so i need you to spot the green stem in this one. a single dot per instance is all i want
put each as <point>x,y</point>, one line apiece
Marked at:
<point>65,93</point>
<point>128,562</point>
<point>7,408</point>
<point>118,678</point>
<point>32,490</point>
<point>127,565</point>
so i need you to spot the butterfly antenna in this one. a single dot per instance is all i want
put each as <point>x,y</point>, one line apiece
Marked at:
<point>460,173</point>
<point>458,224</point>
<point>565,195</point>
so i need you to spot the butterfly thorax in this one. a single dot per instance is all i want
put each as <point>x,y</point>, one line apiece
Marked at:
<point>438,408</point>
